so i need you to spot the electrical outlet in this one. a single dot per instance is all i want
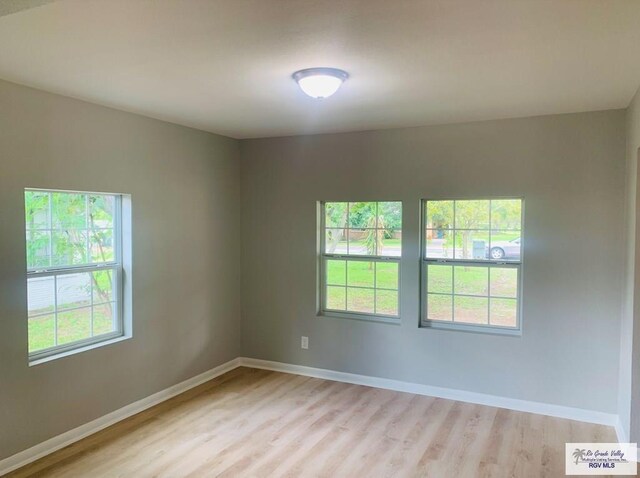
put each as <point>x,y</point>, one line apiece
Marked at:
<point>304,342</point>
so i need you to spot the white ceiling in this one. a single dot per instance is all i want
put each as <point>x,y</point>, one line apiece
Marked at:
<point>224,65</point>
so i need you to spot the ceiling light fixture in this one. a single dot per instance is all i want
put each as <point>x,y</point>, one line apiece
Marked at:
<point>320,82</point>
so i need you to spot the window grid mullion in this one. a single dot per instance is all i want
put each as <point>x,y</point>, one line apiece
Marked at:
<point>489,269</point>
<point>91,299</point>
<point>348,233</point>
<point>472,263</point>
<point>455,240</point>
<point>117,310</point>
<point>460,295</point>
<point>361,258</point>
<point>51,229</point>
<point>489,287</point>
<point>375,239</point>
<point>60,229</point>
<point>43,314</point>
<point>86,225</point>
<point>88,260</point>
<point>73,269</point>
<point>490,225</point>
<point>346,276</point>
<point>55,310</point>
<point>346,285</point>
<point>453,284</point>
<point>375,287</point>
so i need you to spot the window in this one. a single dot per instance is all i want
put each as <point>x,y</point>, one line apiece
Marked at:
<point>74,270</point>
<point>361,244</point>
<point>471,264</point>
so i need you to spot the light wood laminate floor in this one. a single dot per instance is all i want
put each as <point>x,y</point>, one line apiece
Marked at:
<point>255,423</point>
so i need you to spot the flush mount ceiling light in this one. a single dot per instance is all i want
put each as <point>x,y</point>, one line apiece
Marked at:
<point>320,82</point>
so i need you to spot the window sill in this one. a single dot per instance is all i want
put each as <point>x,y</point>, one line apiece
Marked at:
<point>85,348</point>
<point>361,317</point>
<point>482,329</point>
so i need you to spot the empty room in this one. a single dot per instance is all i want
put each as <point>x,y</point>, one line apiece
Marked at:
<point>319,238</point>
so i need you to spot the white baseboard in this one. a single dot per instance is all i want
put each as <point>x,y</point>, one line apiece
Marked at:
<point>589,416</point>
<point>56,443</point>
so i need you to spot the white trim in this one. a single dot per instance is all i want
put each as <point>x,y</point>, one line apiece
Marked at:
<point>559,411</point>
<point>56,443</point>
<point>620,433</point>
<point>109,340</point>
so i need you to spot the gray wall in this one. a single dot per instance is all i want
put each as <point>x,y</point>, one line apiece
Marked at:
<point>185,188</point>
<point>629,407</point>
<point>188,188</point>
<point>569,168</point>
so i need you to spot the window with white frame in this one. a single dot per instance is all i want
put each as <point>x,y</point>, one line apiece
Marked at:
<point>471,264</point>
<point>361,245</point>
<point>74,269</point>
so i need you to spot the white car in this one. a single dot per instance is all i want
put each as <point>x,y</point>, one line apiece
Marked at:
<point>505,249</point>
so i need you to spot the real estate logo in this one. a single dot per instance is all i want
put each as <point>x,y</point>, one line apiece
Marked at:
<point>601,458</point>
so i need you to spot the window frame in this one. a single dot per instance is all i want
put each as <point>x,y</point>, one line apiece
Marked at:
<point>424,322</point>
<point>117,266</point>
<point>324,257</point>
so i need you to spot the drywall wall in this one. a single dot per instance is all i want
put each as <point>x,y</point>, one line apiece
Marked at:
<point>629,406</point>
<point>570,170</point>
<point>185,189</point>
